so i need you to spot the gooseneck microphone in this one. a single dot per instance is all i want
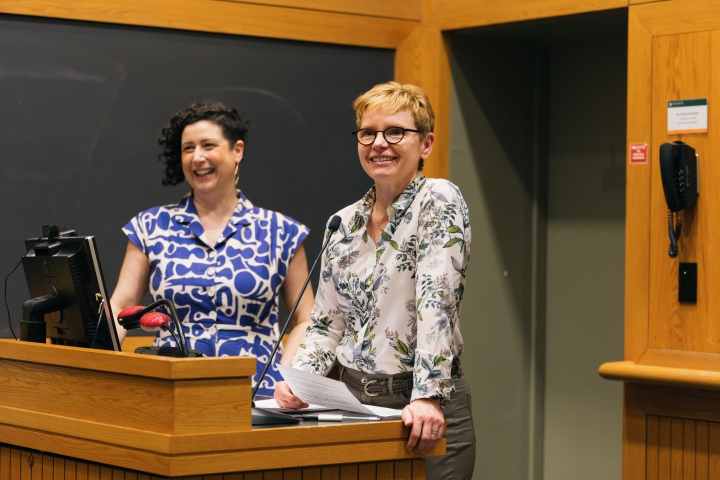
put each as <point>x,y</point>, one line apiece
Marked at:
<point>156,321</point>
<point>132,318</point>
<point>261,417</point>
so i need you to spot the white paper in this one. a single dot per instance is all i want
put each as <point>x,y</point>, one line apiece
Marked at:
<point>385,412</point>
<point>316,389</point>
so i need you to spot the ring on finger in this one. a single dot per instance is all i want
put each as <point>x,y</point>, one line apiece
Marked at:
<point>433,432</point>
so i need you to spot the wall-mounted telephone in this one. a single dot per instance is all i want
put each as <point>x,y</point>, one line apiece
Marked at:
<point>679,172</point>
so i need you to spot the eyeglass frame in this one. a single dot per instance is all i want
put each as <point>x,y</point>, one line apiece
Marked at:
<point>383,134</point>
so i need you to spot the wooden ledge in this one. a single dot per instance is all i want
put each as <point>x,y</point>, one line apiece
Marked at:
<point>150,366</point>
<point>670,376</point>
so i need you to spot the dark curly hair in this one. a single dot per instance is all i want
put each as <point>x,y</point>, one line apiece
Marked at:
<point>234,128</point>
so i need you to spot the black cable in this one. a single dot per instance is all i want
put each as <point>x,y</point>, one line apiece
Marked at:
<point>331,229</point>
<point>176,321</point>
<point>6,279</point>
<point>674,228</point>
<point>101,310</point>
<point>167,328</point>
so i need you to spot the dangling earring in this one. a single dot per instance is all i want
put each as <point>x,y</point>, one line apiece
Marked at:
<point>236,175</point>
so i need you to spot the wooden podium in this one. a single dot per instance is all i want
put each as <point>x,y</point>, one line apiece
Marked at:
<point>79,413</point>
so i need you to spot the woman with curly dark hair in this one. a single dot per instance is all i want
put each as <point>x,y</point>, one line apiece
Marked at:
<point>221,260</point>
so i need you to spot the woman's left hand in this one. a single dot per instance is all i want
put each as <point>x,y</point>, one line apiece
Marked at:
<point>425,417</point>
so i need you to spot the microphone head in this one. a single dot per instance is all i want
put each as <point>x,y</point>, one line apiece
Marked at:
<point>154,321</point>
<point>129,318</point>
<point>334,224</point>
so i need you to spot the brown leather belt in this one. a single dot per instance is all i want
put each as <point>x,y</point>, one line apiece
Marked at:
<point>374,387</point>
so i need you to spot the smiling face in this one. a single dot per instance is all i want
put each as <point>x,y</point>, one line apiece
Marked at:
<point>393,165</point>
<point>208,160</point>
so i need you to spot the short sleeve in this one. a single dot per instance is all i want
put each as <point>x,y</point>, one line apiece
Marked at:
<point>136,233</point>
<point>291,235</point>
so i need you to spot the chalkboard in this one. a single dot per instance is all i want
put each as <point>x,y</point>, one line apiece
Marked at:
<point>82,105</point>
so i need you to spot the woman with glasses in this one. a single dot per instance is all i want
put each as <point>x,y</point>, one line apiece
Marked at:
<point>220,259</point>
<point>388,302</point>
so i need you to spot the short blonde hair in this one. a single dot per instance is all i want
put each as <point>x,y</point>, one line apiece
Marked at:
<point>394,97</point>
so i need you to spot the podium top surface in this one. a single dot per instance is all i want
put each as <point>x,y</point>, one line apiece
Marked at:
<point>151,366</point>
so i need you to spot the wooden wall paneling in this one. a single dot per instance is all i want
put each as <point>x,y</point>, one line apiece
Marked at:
<point>37,467</point>
<point>294,474</point>
<point>640,438</point>
<point>311,473</point>
<point>367,471</point>
<point>682,70</point>
<point>330,473</point>
<point>25,467</point>
<point>653,446</point>
<point>666,434</point>
<point>402,9</point>
<point>94,471</point>
<point>424,59</point>
<point>228,17</point>
<point>637,192</point>
<point>676,449</point>
<point>105,473</point>
<point>403,470</point>
<point>50,467</point>
<point>662,18</point>
<point>418,469</point>
<point>349,472</point>
<point>4,463</point>
<point>714,451</point>
<point>16,463</point>
<point>702,447</point>
<point>385,470</point>
<point>59,468</point>
<point>47,466</point>
<point>455,14</point>
<point>689,449</point>
<point>664,442</point>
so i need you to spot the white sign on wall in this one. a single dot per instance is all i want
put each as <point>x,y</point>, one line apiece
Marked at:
<point>688,116</point>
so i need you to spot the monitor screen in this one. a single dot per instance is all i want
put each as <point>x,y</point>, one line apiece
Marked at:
<point>67,267</point>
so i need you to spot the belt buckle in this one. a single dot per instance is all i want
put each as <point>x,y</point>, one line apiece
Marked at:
<point>365,389</point>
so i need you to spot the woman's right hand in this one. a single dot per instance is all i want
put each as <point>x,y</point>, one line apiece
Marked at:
<point>285,398</point>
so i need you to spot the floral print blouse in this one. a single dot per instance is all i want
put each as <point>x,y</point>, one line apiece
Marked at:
<point>394,306</point>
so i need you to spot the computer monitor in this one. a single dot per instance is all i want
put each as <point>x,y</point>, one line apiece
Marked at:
<point>68,289</point>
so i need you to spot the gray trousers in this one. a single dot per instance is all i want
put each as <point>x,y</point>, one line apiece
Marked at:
<point>459,460</point>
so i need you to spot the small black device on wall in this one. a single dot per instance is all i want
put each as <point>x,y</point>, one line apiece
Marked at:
<point>687,289</point>
<point>679,172</point>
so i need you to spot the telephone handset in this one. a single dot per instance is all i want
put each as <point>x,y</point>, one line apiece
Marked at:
<point>679,172</point>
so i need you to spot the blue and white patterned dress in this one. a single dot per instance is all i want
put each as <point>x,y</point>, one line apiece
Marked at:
<point>225,294</point>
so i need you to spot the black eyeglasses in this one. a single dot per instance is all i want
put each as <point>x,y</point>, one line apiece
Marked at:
<point>367,136</point>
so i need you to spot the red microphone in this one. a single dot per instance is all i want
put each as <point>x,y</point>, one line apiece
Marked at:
<point>154,322</point>
<point>142,317</point>
<point>129,318</point>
